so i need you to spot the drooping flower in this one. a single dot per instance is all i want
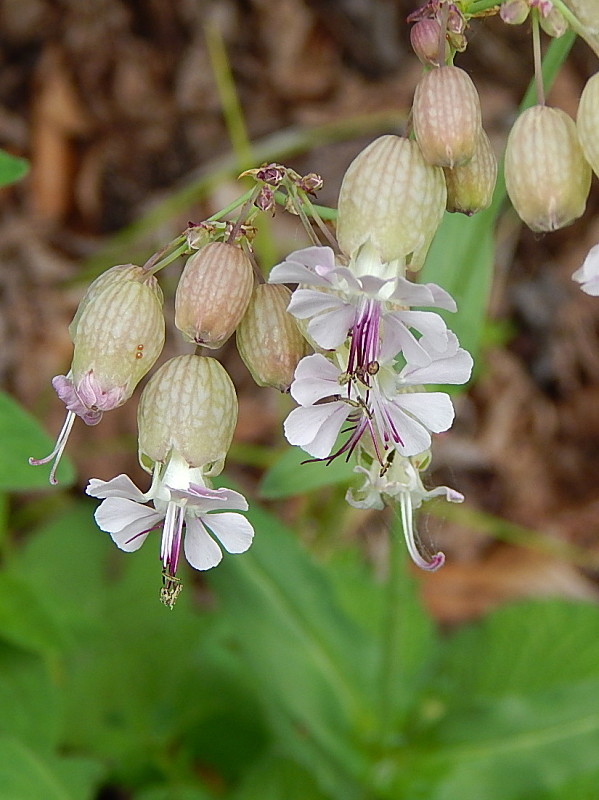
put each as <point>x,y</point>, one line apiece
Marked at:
<point>400,483</point>
<point>588,274</point>
<point>180,499</point>
<point>186,418</point>
<point>118,333</point>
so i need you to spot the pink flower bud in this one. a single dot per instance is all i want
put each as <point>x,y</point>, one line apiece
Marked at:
<point>514,12</point>
<point>424,38</point>
<point>189,406</point>
<point>268,339</point>
<point>546,175</point>
<point>213,294</point>
<point>446,115</point>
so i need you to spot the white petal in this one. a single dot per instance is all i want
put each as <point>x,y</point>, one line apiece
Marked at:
<point>397,338</point>
<point>315,380</point>
<point>315,428</point>
<point>199,547</point>
<point>313,257</point>
<point>121,486</point>
<point>131,538</point>
<point>116,513</point>
<point>329,330</point>
<point>432,409</point>
<point>414,436</point>
<point>429,324</point>
<point>233,530</point>
<point>456,370</point>
<point>306,303</point>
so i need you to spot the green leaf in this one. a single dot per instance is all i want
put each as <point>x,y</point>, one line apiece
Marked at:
<point>289,476</point>
<point>561,636</point>
<point>310,664</point>
<point>25,775</point>
<point>509,748</point>
<point>175,792</point>
<point>25,620</point>
<point>12,168</point>
<point>21,438</point>
<point>461,261</point>
<point>29,700</point>
<point>275,778</point>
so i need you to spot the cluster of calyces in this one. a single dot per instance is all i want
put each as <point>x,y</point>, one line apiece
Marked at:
<point>446,113</point>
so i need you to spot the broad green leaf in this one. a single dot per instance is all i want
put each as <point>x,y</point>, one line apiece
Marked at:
<point>26,775</point>
<point>311,665</point>
<point>290,476</point>
<point>64,564</point>
<point>503,653</point>
<point>21,438</point>
<point>275,778</point>
<point>25,620</point>
<point>507,749</point>
<point>175,792</point>
<point>12,168</point>
<point>29,700</point>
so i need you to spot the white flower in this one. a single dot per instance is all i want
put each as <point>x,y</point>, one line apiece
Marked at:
<point>378,400</point>
<point>180,498</point>
<point>343,297</point>
<point>400,483</point>
<point>588,275</point>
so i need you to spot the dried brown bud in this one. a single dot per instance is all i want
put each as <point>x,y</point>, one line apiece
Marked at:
<point>587,122</point>
<point>393,197</point>
<point>272,174</point>
<point>546,175</point>
<point>310,183</point>
<point>213,294</point>
<point>265,199</point>
<point>446,114</point>
<point>268,339</point>
<point>470,187</point>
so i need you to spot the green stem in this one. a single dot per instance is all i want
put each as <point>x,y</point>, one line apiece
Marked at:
<point>152,266</point>
<point>232,206</point>
<point>537,58</point>
<point>478,6</point>
<point>225,84</point>
<point>4,541</point>
<point>392,667</point>
<point>324,212</point>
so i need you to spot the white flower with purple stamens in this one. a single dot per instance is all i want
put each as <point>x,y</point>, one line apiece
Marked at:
<point>344,296</point>
<point>588,274</point>
<point>180,498</point>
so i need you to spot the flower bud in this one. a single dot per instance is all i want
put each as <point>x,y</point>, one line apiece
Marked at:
<point>213,294</point>
<point>268,339</point>
<point>546,175</point>
<point>424,38</point>
<point>393,197</point>
<point>553,23</point>
<point>188,406</point>
<point>118,274</point>
<point>118,333</point>
<point>586,23</point>
<point>514,12</point>
<point>446,115</point>
<point>470,187</point>
<point>587,122</point>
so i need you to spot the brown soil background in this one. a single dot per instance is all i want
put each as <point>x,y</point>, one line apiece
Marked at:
<point>116,105</point>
